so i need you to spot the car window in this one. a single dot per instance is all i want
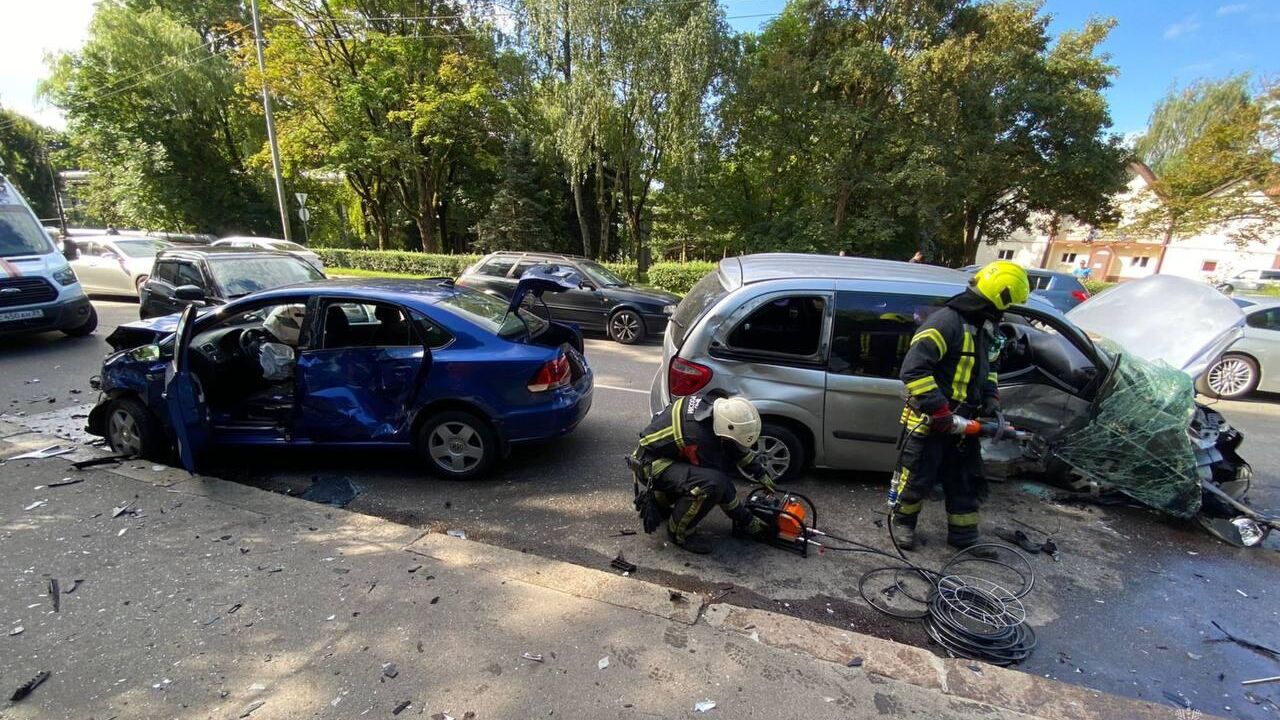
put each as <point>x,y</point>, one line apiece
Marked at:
<point>1268,319</point>
<point>1249,274</point>
<point>188,274</point>
<point>141,248</point>
<point>359,324</point>
<point>784,326</point>
<point>873,331</point>
<point>704,293</point>
<point>1039,282</point>
<point>89,248</point>
<point>523,266</point>
<point>1271,274</point>
<point>432,333</point>
<point>497,267</point>
<point>491,313</point>
<point>285,246</point>
<point>20,234</point>
<point>166,270</point>
<point>243,275</point>
<point>601,275</point>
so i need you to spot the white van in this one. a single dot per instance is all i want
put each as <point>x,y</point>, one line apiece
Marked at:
<point>38,289</point>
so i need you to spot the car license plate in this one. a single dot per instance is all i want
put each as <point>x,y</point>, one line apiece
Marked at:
<point>21,315</point>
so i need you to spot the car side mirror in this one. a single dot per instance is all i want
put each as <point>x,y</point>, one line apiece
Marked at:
<point>188,293</point>
<point>70,251</point>
<point>587,286</point>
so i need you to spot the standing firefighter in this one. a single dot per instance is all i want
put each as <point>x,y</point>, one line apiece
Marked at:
<point>948,373</point>
<point>686,461</point>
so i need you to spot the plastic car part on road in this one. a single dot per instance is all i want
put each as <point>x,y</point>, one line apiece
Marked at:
<point>1137,443</point>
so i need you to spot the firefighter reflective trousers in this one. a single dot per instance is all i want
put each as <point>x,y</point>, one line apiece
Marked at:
<point>690,491</point>
<point>955,464</point>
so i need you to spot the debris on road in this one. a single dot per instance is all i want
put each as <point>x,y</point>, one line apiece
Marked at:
<point>36,504</point>
<point>335,491</point>
<point>119,510</point>
<point>855,661</point>
<point>604,663</point>
<point>704,706</point>
<point>74,584</point>
<point>536,657</point>
<point>94,462</point>
<point>415,568</point>
<point>623,533</point>
<point>29,686</point>
<point>234,608</point>
<point>404,705</point>
<point>1262,649</point>
<point>621,563</point>
<point>678,597</point>
<point>55,594</point>
<point>16,631</point>
<point>66,481</point>
<point>390,670</point>
<point>251,707</point>
<point>460,534</point>
<point>1260,681</point>
<point>43,453</point>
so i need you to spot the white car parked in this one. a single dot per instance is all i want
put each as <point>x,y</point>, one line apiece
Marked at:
<point>115,264</point>
<point>290,247</point>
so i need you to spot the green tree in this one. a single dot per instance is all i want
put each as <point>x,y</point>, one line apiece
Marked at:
<point>1183,116</point>
<point>523,213</point>
<point>153,115</point>
<point>24,159</point>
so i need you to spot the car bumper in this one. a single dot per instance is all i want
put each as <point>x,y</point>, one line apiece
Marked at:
<point>57,315</point>
<point>655,324</point>
<point>557,417</point>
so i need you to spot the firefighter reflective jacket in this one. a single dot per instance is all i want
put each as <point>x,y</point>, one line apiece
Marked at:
<point>947,364</point>
<point>682,432</point>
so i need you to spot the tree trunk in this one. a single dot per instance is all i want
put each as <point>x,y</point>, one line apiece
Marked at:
<point>605,203</point>
<point>842,201</point>
<point>575,182</point>
<point>969,248</point>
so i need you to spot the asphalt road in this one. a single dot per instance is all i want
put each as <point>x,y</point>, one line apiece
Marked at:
<point>1127,610</point>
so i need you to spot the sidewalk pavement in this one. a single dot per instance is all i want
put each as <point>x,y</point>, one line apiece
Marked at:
<point>204,598</point>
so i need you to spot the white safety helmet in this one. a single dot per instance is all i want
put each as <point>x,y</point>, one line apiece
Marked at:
<point>285,322</point>
<point>736,419</point>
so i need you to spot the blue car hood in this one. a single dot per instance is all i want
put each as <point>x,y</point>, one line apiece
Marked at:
<point>544,278</point>
<point>146,332</point>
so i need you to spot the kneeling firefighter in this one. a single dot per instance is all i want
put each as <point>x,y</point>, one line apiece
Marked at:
<point>949,377</point>
<point>685,463</point>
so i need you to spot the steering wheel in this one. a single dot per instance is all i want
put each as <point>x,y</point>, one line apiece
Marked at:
<point>251,340</point>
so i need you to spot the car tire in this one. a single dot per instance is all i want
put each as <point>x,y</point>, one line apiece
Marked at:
<point>457,445</point>
<point>142,280</point>
<point>626,327</point>
<point>782,452</point>
<point>1232,377</point>
<point>133,430</point>
<point>86,327</point>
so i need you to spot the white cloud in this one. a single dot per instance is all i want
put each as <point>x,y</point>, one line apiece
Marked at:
<point>1188,25</point>
<point>1224,10</point>
<point>28,31</point>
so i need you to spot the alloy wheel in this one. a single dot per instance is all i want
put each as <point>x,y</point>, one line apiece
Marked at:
<point>774,455</point>
<point>455,446</point>
<point>624,327</point>
<point>122,429</point>
<point>1230,376</point>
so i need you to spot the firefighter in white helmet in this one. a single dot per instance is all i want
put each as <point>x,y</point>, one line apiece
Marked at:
<point>686,461</point>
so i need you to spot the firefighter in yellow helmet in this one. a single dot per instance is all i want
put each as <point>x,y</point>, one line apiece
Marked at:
<point>948,371</point>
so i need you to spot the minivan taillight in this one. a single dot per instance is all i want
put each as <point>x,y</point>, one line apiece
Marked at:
<point>1080,295</point>
<point>554,374</point>
<point>685,377</point>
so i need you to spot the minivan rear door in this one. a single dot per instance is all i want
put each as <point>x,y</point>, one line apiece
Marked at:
<point>871,333</point>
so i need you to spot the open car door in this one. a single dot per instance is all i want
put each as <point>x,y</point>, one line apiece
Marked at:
<point>188,413</point>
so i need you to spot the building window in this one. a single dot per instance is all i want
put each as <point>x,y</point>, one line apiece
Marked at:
<point>1140,261</point>
<point>1068,257</point>
<point>1209,266</point>
<point>1004,255</point>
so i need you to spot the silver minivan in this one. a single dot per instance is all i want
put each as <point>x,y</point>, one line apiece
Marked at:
<point>817,343</point>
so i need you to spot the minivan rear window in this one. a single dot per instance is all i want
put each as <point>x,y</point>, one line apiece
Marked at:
<point>705,293</point>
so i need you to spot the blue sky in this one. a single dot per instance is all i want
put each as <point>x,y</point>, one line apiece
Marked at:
<point>1156,43</point>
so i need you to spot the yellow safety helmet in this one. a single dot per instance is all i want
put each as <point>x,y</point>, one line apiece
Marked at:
<point>1003,283</point>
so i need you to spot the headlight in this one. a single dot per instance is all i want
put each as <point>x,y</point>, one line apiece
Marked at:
<point>145,353</point>
<point>669,310</point>
<point>1250,532</point>
<point>65,275</point>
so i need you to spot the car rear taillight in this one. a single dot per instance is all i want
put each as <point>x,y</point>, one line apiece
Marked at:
<point>1080,295</point>
<point>685,377</point>
<point>554,374</point>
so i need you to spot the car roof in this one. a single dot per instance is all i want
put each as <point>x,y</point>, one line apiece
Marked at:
<point>538,255</point>
<point>748,269</point>
<point>1256,302</point>
<point>424,291</point>
<point>200,251</point>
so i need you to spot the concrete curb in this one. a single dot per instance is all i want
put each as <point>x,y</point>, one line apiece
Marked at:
<point>999,688</point>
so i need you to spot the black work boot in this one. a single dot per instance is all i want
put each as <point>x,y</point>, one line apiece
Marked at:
<point>905,536</point>
<point>696,544</point>
<point>963,541</point>
<point>752,527</point>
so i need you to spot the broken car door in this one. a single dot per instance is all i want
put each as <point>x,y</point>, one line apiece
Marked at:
<point>1049,373</point>
<point>358,381</point>
<point>184,396</point>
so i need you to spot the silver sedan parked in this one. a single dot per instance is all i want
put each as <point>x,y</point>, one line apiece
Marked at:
<point>262,243</point>
<point>1243,368</point>
<point>115,264</point>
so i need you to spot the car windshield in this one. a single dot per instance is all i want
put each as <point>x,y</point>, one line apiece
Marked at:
<point>239,276</point>
<point>705,293</point>
<point>20,234</point>
<point>601,275</point>
<point>491,313</point>
<point>141,248</point>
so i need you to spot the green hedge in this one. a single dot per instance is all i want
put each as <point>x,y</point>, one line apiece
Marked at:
<point>670,276</point>
<point>1096,286</point>
<point>678,277</point>
<point>397,261</point>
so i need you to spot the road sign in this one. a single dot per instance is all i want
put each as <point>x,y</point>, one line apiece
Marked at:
<point>302,199</point>
<point>304,214</point>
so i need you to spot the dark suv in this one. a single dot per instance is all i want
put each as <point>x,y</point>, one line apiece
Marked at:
<point>604,303</point>
<point>216,275</point>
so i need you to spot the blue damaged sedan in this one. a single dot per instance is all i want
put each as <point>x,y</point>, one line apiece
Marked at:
<point>454,374</point>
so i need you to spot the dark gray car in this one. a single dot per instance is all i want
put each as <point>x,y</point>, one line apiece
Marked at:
<point>1063,290</point>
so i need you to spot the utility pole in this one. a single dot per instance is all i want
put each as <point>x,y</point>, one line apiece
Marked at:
<point>271,125</point>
